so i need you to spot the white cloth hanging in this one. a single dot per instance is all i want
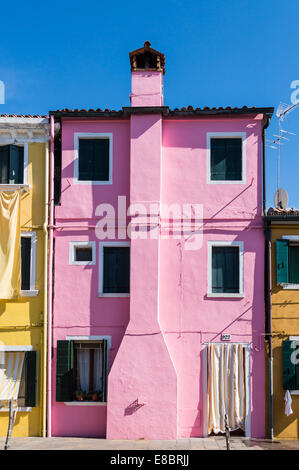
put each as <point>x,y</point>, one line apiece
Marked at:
<point>83,369</point>
<point>11,366</point>
<point>97,370</point>
<point>226,387</point>
<point>288,403</point>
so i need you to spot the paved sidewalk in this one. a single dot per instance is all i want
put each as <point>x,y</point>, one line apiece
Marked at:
<point>211,443</point>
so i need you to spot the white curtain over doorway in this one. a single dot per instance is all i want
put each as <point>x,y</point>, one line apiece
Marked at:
<point>11,366</point>
<point>227,387</point>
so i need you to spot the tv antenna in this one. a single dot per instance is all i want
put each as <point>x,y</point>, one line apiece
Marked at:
<point>282,111</point>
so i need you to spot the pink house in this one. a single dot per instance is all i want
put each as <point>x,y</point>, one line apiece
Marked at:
<point>158,305</point>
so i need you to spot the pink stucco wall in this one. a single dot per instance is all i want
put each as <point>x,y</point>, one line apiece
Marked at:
<point>158,333</point>
<point>78,310</point>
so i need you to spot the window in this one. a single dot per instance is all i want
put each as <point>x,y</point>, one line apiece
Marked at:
<point>226,157</point>
<point>81,373</point>
<point>114,266</point>
<point>290,350</point>
<point>93,158</point>
<point>82,253</point>
<point>287,262</point>
<point>11,164</point>
<point>23,379</point>
<point>225,269</point>
<point>28,262</point>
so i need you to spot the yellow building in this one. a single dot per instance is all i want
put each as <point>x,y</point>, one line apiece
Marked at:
<point>282,228</point>
<point>24,170</point>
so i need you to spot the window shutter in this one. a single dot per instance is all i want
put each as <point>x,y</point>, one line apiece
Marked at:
<point>25,262</point>
<point>289,371</point>
<point>293,264</point>
<point>16,165</point>
<point>218,159</point>
<point>31,374</point>
<point>226,159</point>
<point>65,371</point>
<point>94,159</point>
<point>105,369</point>
<point>282,261</point>
<point>4,164</point>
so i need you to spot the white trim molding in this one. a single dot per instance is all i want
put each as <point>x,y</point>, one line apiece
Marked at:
<point>226,135</point>
<point>32,292</point>
<point>294,338</point>
<point>102,245</point>
<point>238,244</point>
<point>11,348</point>
<point>89,338</point>
<point>92,135</point>
<point>82,244</point>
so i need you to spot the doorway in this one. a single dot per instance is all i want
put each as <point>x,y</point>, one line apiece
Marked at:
<point>226,387</point>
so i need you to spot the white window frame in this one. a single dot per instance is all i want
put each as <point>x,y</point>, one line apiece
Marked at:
<point>212,244</point>
<point>81,244</point>
<point>288,285</point>
<point>12,348</point>
<point>92,135</point>
<point>294,338</point>
<point>11,187</point>
<point>226,135</point>
<point>102,245</point>
<point>89,338</point>
<point>32,292</point>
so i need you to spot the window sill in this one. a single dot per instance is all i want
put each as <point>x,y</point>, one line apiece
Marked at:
<point>294,392</point>
<point>226,182</point>
<point>290,286</point>
<point>29,293</point>
<point>19,409</point>
<point>91,182</point>
<point>223,295</point>
<point>85,403</point>
<point>113,295</point>
<point>13,187</point>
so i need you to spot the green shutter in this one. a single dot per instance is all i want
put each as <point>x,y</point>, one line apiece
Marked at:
<point>65,371</point>
<point>282,261</point>
<point>289,372</point>
<point>105,369</point>
<point>31,373</point>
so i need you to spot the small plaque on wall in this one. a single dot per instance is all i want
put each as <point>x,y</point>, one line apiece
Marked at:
<point>225,337</point>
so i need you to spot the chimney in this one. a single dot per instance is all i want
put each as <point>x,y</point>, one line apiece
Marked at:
<point>147,68</point>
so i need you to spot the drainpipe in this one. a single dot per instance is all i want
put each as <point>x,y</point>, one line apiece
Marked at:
<point>50,276</point>
<point>45,322</point>
<point>266,122</point>
<point>268,283</point>
<point>268,274</point>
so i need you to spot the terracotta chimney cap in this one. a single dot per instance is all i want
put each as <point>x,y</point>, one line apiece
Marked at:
<point>147,58</point>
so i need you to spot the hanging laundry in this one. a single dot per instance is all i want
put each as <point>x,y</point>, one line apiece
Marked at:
<point>288,403</point>
<point>10,245</point>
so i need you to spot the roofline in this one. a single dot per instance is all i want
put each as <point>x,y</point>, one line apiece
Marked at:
<point>126,111</point>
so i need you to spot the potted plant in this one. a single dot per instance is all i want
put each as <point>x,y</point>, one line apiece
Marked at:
<point>95,395</point>
<point>80,395</point>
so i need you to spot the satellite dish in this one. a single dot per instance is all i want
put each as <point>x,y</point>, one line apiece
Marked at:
<point>281,199</point>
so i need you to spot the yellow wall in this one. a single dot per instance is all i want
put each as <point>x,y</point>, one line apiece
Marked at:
<point>285,322</point>
<point>21,321</point>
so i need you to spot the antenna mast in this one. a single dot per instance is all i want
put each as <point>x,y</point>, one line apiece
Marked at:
<point>281,113</point>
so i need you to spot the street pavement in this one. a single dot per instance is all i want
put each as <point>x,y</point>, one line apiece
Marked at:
<point>211,443</point>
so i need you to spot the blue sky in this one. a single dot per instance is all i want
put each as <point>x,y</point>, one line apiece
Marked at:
<point>218,53</point>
